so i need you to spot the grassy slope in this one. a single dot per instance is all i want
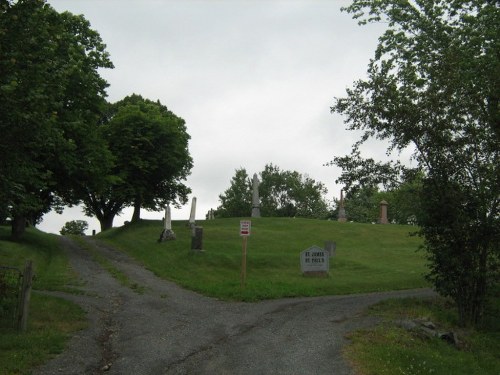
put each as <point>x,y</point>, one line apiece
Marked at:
<point>51,320</point>
<point>389,349</point>
<point>369,257</point>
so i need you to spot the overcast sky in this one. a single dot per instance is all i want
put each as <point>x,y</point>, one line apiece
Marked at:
<point>254,81</point>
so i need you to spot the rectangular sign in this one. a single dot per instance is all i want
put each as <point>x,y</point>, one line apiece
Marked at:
<point>245,226</point>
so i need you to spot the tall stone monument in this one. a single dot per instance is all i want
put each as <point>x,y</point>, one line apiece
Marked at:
<point>255,197</point>
<point>167,233</point>
<point>193,213</point>
<point>383,213</point>
<point>342,216</point>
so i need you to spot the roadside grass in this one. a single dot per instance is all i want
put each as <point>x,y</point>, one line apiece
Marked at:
<point>51,322</point>
<point>51,319</point>
<point>390,349</point>
<point>108,266</point>
<point>51,268</point>
<point>368,258</point>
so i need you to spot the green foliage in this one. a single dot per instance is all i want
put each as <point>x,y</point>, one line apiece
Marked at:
<point>369,257</point>
<point>433,85</point>
<point>51,95</point>
<point>49,261</point>
<point>75,227</point>
<point>151,159</point>
<point>236,201</point>
<point>363,203</point>
<point>282,194</point>
<point>389,349</point>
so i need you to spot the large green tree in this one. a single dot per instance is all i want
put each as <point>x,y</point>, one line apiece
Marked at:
<point>236,201</point>
<point>149,144</point>
<point>51,95</point>
<point>289,193</point>
<point>434,85</point>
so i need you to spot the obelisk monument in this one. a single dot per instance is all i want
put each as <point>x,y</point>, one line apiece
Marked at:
<point>342,216</point>
<point>167,233</point>
<point>255,197</point>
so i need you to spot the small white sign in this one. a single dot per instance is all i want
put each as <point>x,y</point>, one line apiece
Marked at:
<point>315,259</point>
<point>245,226</point>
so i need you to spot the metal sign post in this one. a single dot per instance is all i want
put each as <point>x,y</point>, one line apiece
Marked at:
<point>245,226</point>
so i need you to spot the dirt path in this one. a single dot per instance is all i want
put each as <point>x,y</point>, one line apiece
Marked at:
<point>169,330</point>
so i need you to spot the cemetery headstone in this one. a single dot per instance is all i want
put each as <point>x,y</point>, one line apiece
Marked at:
<point>193,213</point>
<point>315,262</point>
<point>330,247</point>
<point>342,216</point>
<point>167,234</point>
<point>255,197</point>
<point>383,213</point>
<point>210,214</point>
<point>197,239</point>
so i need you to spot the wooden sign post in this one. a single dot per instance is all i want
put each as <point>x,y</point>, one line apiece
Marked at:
<point>244,232</point>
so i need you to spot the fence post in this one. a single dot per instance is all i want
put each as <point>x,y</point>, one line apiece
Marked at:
<point>24,298</point>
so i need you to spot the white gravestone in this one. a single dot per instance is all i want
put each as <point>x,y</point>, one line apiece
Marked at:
<point>315,261</point>
<point>193,213</point>
<point>167,233</point>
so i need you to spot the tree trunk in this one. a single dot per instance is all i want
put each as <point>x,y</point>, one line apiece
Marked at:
<point>18,227</point>
<point>136,216</point>
<point>106,222</point>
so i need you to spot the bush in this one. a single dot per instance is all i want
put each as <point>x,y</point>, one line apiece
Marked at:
<point>77,227</point>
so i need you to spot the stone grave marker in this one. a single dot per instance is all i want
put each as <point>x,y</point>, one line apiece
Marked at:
<point>192,215</point>
<point>330,247</point>
<point>167,233</point>
<point>342,215</point>
<point>197,239</point>
<point>315,262</point>
<point>255,196</point>
<point>383,213</point>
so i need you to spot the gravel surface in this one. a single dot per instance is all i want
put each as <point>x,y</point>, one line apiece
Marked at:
<point>170,330</point>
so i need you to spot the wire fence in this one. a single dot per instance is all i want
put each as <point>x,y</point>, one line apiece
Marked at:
<point>10,292</point>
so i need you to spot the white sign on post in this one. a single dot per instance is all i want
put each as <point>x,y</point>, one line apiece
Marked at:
<point>244,232</point>
<point>245,226</point>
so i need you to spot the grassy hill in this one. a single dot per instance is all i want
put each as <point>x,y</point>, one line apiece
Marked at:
<point>51,320</point>
<point>368,257</point>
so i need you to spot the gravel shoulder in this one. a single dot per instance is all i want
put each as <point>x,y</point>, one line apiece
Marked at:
<point>170,330</point>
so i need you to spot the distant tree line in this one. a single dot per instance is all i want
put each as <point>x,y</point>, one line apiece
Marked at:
<point>282,193</point>
<point>61,143</point>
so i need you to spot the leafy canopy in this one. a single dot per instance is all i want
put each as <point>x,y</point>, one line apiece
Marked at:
<point>51,95</point>
<point>149,145</point>
<point>434,85</point>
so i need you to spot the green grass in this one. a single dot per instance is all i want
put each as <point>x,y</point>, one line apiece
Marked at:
<point>50,320</point>
<point>51,268</point>
<point>369,257</point>
<point>389,349</point>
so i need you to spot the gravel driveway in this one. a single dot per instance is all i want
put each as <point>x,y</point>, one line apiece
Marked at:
<point>169,330</point>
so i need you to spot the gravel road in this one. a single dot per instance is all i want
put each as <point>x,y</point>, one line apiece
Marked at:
<point>169,330</point>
